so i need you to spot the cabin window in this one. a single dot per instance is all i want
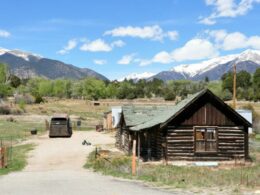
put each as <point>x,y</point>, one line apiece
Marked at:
<point>205,139</point>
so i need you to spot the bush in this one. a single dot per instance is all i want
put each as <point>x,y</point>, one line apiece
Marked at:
<point>4,109</point>
<point>27,99</point>
<point>22,105</point>
<point>226,95</point>
<point>38,100</point>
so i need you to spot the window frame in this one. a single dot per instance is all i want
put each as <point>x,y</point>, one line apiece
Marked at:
<point>195,140</point>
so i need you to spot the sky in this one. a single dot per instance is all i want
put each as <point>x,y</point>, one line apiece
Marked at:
<point>120,37</point>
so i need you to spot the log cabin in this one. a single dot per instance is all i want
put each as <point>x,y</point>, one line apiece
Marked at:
<point>200,127</point>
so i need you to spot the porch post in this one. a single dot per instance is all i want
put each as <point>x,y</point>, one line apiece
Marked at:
<point>139,144</point>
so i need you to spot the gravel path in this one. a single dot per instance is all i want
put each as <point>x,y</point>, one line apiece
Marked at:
<point>55,167</point>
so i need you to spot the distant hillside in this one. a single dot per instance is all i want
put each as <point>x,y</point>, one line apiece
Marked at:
<point>26,65</point>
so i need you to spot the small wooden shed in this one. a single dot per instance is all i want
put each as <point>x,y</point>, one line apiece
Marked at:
<point>201,127</point>
<point>107,120</point>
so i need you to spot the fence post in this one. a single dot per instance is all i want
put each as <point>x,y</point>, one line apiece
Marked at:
<point>134,158</point>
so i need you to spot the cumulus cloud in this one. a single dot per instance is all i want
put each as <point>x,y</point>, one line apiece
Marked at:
<point>118,43</point>
<point>126,59</point>
<point>195,49</point>
<point>100,45</point>
<point>70,45</point>
<point>99,61</point>
<point>154,32</point>
<point>234,40</point>
<point>4,33</point>
<point>96,46</point>
<point>227,8</point>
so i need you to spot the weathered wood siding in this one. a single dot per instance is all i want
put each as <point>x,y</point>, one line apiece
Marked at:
<point>123,140</point>
<point>232,143</point>
<point>208,115</point>
<point>232,139</point>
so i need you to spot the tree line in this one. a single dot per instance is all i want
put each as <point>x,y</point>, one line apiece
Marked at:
<point>93,89</point>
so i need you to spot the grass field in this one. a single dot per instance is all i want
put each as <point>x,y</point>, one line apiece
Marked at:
<point>187,177</point>
<point>18,161</point>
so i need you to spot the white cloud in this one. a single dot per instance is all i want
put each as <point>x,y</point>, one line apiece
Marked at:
<point>173,35</point>
<point>100,61</point>
<point>195,49</point>
<point>70,45</point>
<point>235,40</point>
<point>163,57</point>
<point>97,45</point>
<point>118,43</point>
<point>254,42</point>
<point>4,33</point>
<point>154,32</point>
<point>227,8</point>
<point>126,59</point>
<point>100,45</point>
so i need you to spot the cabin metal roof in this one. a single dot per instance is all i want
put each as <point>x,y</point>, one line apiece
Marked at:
<point>143,117</point>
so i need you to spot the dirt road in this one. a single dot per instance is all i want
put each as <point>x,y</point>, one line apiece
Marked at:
<point>56,167</point>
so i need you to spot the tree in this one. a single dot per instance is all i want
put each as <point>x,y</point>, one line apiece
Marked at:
<point>227,82</point>
<point>45,88</point>
<point>206,79</point>
<point>243,79</point>
<point>93,89</point>
<point>256,84</point>
<point>14,81</point>
<point>3,73</point>
<point>126,90</point>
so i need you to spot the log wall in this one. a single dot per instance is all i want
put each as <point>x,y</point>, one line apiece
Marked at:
<point>232,143</point>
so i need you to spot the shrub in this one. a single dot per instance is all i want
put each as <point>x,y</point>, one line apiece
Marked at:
<point>4,109</point>
<point>38,100</point>
<point>27,99</point>
<point>22,105</point>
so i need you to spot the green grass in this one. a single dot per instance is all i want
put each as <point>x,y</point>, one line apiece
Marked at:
<point>18,129</point>
<point>19,156</point>
<point>176,176</point>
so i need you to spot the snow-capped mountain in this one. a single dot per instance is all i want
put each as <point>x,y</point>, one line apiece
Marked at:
<point>214,68</point>
<point>26,64</point>
<point>137,76</point>
<point>23,54</point>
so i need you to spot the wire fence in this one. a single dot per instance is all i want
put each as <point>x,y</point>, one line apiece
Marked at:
<point>7,144</point>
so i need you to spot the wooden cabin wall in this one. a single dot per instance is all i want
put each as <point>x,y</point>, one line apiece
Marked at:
<point>232,144</point>
<point>152,140</point>
<point>123,140</point>
<point>208,115</point>
<point>232,138</point>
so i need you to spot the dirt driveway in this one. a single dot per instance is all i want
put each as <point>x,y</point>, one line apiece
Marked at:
<point>55,166</point>
<point>65,153</point>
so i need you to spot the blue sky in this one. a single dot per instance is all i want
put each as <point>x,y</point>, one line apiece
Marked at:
<point>120,37</point>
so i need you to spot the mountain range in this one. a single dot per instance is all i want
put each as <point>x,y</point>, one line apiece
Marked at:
<point>27,65</point>
<point>248,60</point>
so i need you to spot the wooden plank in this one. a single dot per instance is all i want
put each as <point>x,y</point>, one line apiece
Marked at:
<point>179,141</point>
<point>231,138</point>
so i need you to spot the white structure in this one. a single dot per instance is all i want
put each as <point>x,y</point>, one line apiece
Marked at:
<point>247,114</point>
<point>116,115</point>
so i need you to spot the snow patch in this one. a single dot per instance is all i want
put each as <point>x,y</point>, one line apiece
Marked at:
<point>19,53</point>
<point>137,76</point>
<point>198,68</point>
